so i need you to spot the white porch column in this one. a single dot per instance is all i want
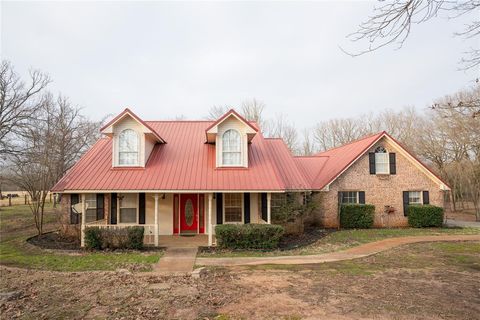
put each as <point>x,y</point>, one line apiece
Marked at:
<point>156,220</point>
<point>269,208</point>
<point>82,217</point>
<point>210,231</point>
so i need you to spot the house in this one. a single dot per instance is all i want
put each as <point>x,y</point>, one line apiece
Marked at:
<point>185,177</point>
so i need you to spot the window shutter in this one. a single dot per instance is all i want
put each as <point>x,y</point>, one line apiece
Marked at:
<point>219,198</point>
<point>246,207</point>
<point>340,197</point>
<point>100,206</point>
<point>141,208</point>
<point>393,163</point>
<point>405,203</point>
<point>113,209</point>
<point>74,199</point>
<point>426,197</point>
<point>361,197</point>
<point>371,160</point>
<point>264,206</point>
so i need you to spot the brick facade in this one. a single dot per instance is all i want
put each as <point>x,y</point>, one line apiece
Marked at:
<point>379,190</point>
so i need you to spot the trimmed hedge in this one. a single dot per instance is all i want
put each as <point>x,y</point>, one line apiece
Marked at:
<point>422,216</point>
<point>358,216</point>
<point>248,236</point>
<point>123,238</point>
<point>93,238</point>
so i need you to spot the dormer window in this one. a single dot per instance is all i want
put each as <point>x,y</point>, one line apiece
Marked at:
<point>231,148</point>
<point>381,161</point>
<point>128,148</point>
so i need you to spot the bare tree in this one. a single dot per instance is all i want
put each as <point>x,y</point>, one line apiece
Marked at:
<point>466,102</point>
<point>308,145</point>
<point>18,102</point>
<point>281,127</point>
<point>216,112</point>
<point>336,132</point>
<point>52,141</point>
<point>392,21</point>
<point>252,110</point>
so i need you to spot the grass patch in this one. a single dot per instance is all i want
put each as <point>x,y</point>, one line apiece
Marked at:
<point>340,240</point>
<point>15,251</point>
<point>419,256</point>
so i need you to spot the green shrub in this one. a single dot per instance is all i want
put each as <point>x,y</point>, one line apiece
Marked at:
<point>422,216</point>
<point>121,238</point>
<point>93,238</point>
<point>248,236</point>
<point>357,215</point>
<point>135,237</point>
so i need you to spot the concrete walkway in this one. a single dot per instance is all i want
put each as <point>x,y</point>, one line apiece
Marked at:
<point>463,224</point>
<point>177,260</point>
<point>348,254</point>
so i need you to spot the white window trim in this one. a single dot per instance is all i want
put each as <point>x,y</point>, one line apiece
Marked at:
<point>387,163</point>
<point>118,210</point>
<point>357,200</point>
<point>242,211</point>
<point>414,203</point>
<point>241,164</point>
<point>138,151</point>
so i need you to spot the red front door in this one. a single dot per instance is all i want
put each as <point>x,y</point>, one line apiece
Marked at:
<point>188,213</point>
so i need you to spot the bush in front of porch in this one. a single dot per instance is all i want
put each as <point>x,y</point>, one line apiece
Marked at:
<point>248,236</point>
<point>122,238</point>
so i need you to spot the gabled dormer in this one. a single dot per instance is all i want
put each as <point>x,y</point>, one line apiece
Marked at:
<point>231,135</point>
<point>133,140</point>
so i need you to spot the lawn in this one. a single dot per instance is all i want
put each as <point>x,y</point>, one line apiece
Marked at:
<point>418,281</point>
<point>340,240</point>
<point>16,225</point>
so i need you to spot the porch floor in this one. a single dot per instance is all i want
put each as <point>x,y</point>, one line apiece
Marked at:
<point>177,241</point>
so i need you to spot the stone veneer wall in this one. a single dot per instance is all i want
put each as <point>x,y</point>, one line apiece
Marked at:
<point>379,190</point>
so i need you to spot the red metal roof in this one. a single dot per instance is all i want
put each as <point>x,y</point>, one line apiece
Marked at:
<point>187,163</point>
<point>287,170</point>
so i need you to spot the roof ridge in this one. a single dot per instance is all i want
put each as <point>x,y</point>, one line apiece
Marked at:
<point>351,142</point>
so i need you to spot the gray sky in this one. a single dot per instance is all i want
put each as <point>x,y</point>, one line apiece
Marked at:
<point>165,59</point>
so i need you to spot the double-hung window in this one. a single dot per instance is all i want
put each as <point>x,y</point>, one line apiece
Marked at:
<point>349,197</point>
<point>128,207</point>
<point>233,207</point>
<point>231,148</point>
<point>91,204</point>
<point>415,197</point>
<point>128,148</point>
<point>381,161</point>
<point>277,202</point>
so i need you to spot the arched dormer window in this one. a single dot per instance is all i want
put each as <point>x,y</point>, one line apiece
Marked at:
<point>231,148</point>
<point>128,148</point>
<point>381,161</point>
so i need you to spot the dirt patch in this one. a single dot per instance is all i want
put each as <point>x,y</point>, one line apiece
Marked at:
<point>421,281</point>
<point>465,215</point>
<point>54,240</point>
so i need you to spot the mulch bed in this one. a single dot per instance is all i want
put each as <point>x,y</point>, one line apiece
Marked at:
<point>288,242</point>
<point>53,240</point>
<point>309,236</point>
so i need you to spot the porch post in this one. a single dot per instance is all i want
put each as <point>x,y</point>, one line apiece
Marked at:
<point>210,231</point>
<point>82,228</point>
<point>269,208</point>
<point>156,220</point>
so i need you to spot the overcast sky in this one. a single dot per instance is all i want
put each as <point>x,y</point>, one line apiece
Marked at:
<point>164,59</point>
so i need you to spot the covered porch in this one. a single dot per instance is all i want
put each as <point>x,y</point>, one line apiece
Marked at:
<point>170,219</point>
